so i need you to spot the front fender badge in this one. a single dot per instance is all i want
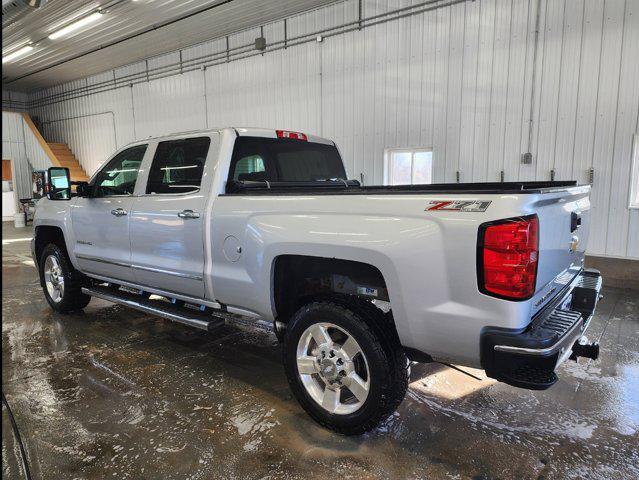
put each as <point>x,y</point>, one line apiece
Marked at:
<point>458,205</point>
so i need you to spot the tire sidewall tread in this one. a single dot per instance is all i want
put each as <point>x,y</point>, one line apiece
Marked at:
<point>386,360</point>
<point>73,299</point>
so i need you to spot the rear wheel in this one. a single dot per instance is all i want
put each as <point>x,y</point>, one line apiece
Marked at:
<point>61,283</point>
<point>344,365</point>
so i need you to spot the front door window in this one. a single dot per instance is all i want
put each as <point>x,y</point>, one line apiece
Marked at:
<point>119,175</point>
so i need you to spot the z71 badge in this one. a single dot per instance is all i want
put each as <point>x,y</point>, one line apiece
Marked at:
<point>459,205</point>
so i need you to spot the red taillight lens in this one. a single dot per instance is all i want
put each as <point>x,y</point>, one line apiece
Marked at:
<point>292,135</point>
<point>508,258</point>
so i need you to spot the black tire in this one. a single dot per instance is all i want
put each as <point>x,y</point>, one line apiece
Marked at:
<point>72,299</point>
<point>387,362</point>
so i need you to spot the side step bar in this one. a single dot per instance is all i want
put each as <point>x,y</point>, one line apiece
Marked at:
<point>186,316</point>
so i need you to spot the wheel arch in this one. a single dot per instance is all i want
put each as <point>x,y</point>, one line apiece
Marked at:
<point>299,279</point>
<point>45,234</point>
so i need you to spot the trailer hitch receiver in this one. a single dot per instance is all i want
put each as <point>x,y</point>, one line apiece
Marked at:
<point>582,348</point>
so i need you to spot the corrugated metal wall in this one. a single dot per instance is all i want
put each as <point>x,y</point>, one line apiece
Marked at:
<point>15,101</point>
<point>21,147</point>
<point>469,80</point>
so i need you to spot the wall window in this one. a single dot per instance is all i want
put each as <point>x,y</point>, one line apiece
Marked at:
<point>634,179</point>
<point>178,166</point>
<point>404,166</point>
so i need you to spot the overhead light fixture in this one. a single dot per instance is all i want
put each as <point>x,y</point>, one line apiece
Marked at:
<point>18,53</point>
<point>72,27</point>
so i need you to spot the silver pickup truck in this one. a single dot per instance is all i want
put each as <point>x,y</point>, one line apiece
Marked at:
<point>357,280</point>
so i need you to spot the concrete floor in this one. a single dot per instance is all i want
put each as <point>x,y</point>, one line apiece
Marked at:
<point>114,393</point>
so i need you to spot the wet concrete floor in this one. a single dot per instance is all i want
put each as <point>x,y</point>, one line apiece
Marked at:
<point>114,393</point>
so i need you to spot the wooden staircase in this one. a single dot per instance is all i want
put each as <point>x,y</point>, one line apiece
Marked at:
<point>67,159</point>
<point>59,154</point>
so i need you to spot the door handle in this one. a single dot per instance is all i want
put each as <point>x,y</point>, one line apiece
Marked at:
<point>188,214</point>
<point>118,212</point>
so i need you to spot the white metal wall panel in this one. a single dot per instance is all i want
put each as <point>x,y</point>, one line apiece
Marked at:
<point>497,92</point>
<point>618,241</point>
<point>278,89</point>
<point>587,88</point>
<point>483,91</point>
<point>441,92</point>
<point>427,94</point>
<point>16,101</point>
<point>171,104</point>
<point>20,146</point>
<point>567,92</point>
<point>13,149</point>
<point>454,90</point>
<point>623,224</point>
<point>460,79</point>
<point>12,128</point>
<point>18,139</point>
<point>468,94</point>
<point>517,101</point>
<point>35,155</point>
<point>129,70</point>
<point>551,51</point>
<point>605,124</point>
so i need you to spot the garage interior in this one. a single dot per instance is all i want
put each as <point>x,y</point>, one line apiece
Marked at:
<point>487,90</point>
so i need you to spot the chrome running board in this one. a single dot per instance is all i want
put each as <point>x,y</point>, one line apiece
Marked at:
<point>184,315</point>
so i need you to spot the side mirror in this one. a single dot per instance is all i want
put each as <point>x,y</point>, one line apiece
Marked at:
<point>83,189</point>
<point>59,183</point>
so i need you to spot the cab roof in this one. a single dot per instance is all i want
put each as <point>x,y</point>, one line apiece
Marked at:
<point>241,132</point>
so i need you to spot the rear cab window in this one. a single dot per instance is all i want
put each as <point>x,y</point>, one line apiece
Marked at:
<point>178,166</point>
<point>284,160</point>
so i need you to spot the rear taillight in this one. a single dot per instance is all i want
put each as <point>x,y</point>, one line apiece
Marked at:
<point>507,256</point>
<point>291,135</point>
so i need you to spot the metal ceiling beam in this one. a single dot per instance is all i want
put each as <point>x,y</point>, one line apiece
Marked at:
<point>121,40</point>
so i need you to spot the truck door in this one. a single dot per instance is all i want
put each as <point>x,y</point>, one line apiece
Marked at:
<point>101,222</point>
<point>167,218</point>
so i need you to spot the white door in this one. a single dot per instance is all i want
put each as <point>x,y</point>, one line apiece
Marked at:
<point>167,218</point>
<point>101,221</point>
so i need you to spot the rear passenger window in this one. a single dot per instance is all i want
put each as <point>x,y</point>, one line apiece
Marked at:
<point>178,165</point>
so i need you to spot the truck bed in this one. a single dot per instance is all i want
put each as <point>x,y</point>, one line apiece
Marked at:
<point>353,187</point>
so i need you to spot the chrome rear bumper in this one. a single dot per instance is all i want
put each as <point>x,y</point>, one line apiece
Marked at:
<point>529,358</point>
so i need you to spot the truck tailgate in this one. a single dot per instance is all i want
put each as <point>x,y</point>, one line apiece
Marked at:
<point>563,234</point>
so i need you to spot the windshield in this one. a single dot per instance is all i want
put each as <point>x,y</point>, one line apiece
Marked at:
<point>284,160</point>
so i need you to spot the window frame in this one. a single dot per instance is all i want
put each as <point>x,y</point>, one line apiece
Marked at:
<point>158,141</point>
<point>93,181</point>
<point>634,174</point>
<point>388,164</point>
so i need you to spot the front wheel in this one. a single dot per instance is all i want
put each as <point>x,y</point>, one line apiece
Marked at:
<point>344,368</point>
<point>61,283</point>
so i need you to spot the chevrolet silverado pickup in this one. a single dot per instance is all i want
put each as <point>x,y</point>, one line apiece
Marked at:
<point>358,281</point>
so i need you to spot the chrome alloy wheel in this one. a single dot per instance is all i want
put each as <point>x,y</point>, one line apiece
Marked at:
<point>333,368</point>
<point>54,278</point>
